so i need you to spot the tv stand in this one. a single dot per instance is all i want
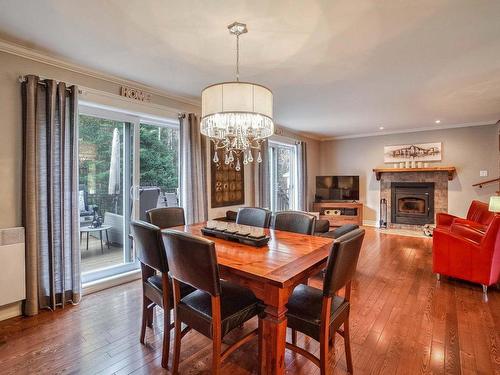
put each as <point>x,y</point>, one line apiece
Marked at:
<point>340,213</point>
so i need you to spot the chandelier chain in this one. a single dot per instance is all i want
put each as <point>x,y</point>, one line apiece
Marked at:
<point>237,57</point>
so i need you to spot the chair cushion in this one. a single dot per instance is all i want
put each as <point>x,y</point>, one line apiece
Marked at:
<point>304,310</point>
<point>340,231</point>
<point>156,283</point>
<point>238,305</point>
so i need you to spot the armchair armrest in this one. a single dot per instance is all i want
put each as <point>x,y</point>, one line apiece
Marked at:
<point>468,232</point>
<point>470,224</point>
<point>438,234</point>
<point>444,219</point>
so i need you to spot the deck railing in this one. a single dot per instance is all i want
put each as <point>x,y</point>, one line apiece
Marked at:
<point>283,199</point>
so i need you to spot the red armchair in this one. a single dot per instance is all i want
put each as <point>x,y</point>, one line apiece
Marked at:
<point>478,217</point>
<point>468,249</point>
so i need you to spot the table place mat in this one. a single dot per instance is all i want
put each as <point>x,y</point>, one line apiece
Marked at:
<point>246,240</point>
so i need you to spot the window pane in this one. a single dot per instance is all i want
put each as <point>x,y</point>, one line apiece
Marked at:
<point>159,164</point>
<point>282,159</point>
<point>102,197</point>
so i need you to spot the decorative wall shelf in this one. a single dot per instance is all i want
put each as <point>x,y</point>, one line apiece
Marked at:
<point>451,171</point>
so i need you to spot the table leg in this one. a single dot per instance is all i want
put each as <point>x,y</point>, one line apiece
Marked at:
<point>88,240</point>
<point>272,334</point>
<point>107,239</point>
<point>100,237</point>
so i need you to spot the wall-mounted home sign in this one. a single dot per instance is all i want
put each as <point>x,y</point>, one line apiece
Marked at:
<point>136,94</point>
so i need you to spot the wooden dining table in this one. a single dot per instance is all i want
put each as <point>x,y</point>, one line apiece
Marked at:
<point>271,272</point>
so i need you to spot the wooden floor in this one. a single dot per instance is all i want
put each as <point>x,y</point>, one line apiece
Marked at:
<point>403,321</point>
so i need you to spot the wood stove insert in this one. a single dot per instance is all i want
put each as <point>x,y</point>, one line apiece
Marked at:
<point>412,203</point>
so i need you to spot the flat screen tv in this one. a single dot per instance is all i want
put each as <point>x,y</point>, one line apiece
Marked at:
<point>337,188</point>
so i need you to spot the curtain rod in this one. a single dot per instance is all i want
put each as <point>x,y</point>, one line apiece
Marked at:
<point>22,79</point>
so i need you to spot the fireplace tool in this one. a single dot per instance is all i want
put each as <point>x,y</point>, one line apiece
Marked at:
<point>383,213</point>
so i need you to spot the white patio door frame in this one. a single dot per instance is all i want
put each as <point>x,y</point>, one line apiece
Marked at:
<point>99,104</point>
<point>290,145</point>
<point>130,173</point>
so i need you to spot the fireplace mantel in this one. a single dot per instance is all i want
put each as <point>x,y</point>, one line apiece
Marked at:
<point>450,170</point>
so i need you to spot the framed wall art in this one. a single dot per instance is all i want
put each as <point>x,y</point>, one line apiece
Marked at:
<point>413,152</point>
<point>227,184</point>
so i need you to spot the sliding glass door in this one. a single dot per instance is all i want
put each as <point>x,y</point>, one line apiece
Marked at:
<point>127,165</point>
<point>282,159</point>
<point>106,160</point>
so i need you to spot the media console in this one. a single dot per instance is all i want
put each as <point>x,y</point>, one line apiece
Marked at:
<point>340,213</point>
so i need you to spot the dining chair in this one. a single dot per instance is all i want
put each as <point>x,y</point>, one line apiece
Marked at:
<point>166,217</point>
<point>216,307</point>
<point>156,288</point>
<point>254,216</point>
<point>294,221</point>
<point>320,313</point>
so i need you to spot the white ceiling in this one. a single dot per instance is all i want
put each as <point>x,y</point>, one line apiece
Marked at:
<point>337,68</point>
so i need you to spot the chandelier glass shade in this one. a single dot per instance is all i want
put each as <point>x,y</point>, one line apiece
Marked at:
<point>237,116</point>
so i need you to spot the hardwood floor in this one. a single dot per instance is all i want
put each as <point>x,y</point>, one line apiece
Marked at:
<point>402,322</point>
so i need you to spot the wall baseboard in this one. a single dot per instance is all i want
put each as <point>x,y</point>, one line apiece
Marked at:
<point>370,223</point>
<point>11,310</point>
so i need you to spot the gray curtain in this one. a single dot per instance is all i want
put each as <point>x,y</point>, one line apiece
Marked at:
<point>193,169</point>
<point>50,194</point>
<point>264,178</point>
<point>302,176</point>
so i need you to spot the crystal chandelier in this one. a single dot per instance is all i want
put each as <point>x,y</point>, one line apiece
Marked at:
<point>237,116</point>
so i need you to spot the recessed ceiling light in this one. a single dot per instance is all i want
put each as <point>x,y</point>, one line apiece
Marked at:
<point>381,127</point>
<point>437,121</point>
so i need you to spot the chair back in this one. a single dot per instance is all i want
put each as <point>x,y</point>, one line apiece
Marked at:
<point>171,200</point>
<point>294,221</point>
<point>148,199</point>
<point>166,217</point>
<point>491,238</point>
<point>254,216</point>
<point>192,260</point>
<point>342,261</point>
<point>149,245</point>
<point>479,213</point>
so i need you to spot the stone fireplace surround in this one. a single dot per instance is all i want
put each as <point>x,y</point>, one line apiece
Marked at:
<point>440,179</point>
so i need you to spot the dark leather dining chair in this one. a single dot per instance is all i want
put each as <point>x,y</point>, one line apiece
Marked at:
<point>320,313</point>
<point>216,307</point>
<point>166,217</point>
<point>156,288</point>
<point>254,216</point>
<point>294,221</point>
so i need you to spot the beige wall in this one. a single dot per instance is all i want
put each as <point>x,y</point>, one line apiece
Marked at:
<point>469,149</point>
<point>12,66</point>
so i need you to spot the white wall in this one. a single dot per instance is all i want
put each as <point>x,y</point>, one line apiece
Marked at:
<point>469,149</point>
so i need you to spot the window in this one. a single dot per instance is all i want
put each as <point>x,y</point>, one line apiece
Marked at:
<point>283,172</point>
<point>159,161</point>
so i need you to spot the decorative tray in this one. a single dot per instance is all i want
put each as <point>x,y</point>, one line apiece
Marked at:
<point>246,239</point>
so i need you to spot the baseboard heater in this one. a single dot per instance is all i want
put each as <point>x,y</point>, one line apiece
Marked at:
<point>12,272</point>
